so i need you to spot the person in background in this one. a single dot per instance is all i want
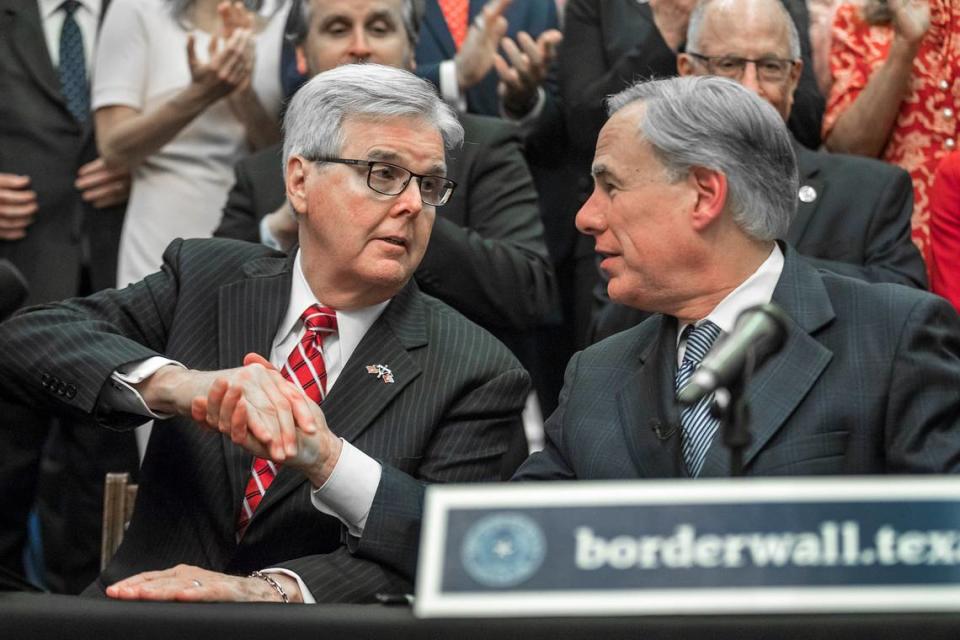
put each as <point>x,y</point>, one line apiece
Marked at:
<point>895,92</point>
<point>182,90</point>
<point>853,213</point>
<point>61,211</point>
<point>945,230</point>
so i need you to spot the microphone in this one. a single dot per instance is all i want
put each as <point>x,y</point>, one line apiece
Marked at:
<point>759,333</point>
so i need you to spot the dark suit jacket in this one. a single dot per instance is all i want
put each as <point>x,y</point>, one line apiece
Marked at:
<point>448,417</point>
<point>486,256</point>
<point>40,138</point>
<point>866,383</point>
<point>609,44</point>
<point>857,225</point>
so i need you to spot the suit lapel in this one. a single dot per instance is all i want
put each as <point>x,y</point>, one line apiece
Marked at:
<point>648,411</point>
<point>359,397</point>
<point>249,312</point>
<point>775,391</point>
<point>30,44</point>
<point>809,196</point>
<point>435,23</point>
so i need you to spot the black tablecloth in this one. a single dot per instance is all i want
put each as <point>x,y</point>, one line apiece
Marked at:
<point>24,616</point>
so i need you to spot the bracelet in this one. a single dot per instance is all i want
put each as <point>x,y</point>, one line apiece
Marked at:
<point>273,583</point>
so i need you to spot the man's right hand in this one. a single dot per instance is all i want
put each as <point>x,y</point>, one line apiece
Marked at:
<point>476,56</point>
<point>228,67</point>
<point>18,205</point>
<point>911,19</point>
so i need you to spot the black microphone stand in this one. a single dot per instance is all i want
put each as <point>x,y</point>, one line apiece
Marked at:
<point>730,407</point>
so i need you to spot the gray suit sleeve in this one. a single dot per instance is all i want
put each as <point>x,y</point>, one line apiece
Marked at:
<point>467,447</point>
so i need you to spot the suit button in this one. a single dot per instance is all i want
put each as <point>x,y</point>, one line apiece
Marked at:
<point>61,387</point>
<point>45,380</point>
<point>71,391</point>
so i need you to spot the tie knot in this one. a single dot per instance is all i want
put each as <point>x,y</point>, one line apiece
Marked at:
<point>699,340</point>
<point>70,6</point>
<point>320,320</point>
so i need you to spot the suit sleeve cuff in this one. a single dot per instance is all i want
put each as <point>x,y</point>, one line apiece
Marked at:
<point>349,491</point>
<point>120,395</point>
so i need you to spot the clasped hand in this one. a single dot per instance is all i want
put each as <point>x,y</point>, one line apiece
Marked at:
<point>268,416</point>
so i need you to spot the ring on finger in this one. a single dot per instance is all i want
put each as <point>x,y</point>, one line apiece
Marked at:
<point>197,583</point>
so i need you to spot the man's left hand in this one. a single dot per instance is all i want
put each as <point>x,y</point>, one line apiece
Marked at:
<point>524,68</point>
<point>102,187</point>
<point>186,583</point>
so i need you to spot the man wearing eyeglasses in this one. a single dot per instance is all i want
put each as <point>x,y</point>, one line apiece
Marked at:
<point>853,213</point>
<point>233,336</point>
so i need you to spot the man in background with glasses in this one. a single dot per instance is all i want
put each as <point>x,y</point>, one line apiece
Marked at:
<point>853,213</point>
<point>235,337</point>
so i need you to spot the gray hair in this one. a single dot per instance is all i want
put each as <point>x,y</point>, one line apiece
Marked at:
<point>700,10</point>
<point>711,122</point>
<point>298,26</point>
<point>313,125</point>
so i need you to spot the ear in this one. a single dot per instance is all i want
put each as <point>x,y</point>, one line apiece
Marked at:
<point>297,183</point>
<point>301,55</point>
<point>795,71</point>
<point>685,65</point>
<point>710,187</point>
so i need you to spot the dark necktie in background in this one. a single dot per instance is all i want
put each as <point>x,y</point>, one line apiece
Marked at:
<point>73,67</point>
<point>698,425</point>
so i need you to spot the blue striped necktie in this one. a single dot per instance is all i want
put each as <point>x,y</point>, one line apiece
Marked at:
<point>73,66</point>
<point>698,426</point>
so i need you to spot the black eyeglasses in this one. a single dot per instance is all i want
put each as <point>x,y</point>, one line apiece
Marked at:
<point>771,69</point>
<point>391,180</point>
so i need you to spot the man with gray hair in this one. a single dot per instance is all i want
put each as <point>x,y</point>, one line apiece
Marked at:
<point>694,184</point>
<point>233,336</point>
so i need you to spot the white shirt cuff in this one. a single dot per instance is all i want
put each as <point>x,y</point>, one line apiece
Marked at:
<point>304,592</point>
<point>349,491</point>
<point>266,237</point>
<point>121,394</point>
<point>449,87</point>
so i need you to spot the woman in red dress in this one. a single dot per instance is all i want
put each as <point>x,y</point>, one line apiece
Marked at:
<point>895,92</point>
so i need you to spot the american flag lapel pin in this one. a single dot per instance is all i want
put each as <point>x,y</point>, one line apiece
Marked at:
<point>382,372</point>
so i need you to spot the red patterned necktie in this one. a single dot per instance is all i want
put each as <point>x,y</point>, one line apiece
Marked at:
<point>455,13</point>
<point>305,367</point>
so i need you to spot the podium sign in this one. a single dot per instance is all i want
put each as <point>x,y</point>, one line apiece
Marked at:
<point>704,546</point>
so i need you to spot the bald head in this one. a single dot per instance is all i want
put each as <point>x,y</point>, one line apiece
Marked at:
<point>762,31</point>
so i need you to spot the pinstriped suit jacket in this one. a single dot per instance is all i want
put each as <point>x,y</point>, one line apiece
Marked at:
<point>867,382</point>
<point>448,417</point>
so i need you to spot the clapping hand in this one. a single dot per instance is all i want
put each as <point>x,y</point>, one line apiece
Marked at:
<point>230,57</point>
<point>911,19</point>
<point>524,68</point>
<point>479,51</point>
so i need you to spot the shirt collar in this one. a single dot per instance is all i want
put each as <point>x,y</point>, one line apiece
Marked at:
<point>351,325</point>
<point>755,290</point>
<point>50,7</point>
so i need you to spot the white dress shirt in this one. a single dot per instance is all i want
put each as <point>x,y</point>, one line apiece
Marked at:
<point>755,290</point>
<point>87,16</point>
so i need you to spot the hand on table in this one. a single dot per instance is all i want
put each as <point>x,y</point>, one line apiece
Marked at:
<point>185,583</point>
